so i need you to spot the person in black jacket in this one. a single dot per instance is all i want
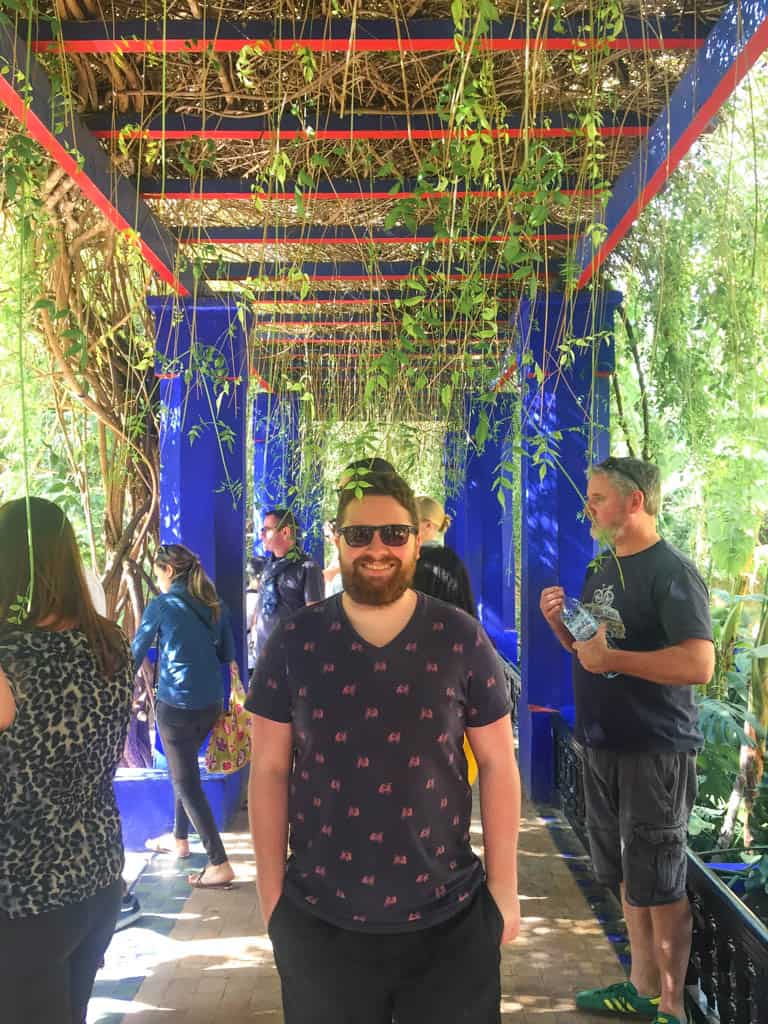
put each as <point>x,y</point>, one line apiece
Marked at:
<point>439,571</point>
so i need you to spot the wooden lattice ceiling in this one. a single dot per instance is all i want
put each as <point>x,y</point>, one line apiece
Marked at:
<point>328,153</point>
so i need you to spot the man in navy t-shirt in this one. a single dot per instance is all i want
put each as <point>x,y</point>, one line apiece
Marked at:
<point>360,704</point>
<point>636,717</point>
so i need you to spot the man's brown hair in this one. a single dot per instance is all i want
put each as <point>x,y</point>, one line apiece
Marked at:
<point>388,485</point>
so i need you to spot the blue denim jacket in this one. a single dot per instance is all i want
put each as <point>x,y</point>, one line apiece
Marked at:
<point>191,648</point>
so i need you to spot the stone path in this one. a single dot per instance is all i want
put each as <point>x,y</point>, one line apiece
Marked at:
<point>203,957</point>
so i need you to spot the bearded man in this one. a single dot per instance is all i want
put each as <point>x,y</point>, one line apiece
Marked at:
<point>360,705</point>
<point>637,719</point>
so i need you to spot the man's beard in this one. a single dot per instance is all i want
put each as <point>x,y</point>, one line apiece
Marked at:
<point>606,535</point>
<point>387,590</point>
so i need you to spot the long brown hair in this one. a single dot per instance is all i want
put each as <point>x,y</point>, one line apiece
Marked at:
<point>187,568</point>
<point>54,591</point>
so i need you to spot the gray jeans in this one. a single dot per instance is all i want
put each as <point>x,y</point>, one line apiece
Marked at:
<point>638,807</point>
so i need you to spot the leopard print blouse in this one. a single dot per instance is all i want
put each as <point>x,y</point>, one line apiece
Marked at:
<point>60,837</point>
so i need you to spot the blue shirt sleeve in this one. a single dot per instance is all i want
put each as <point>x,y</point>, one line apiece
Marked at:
<point>147,631</point>
<point>488,698</point>
<point>269,693</point>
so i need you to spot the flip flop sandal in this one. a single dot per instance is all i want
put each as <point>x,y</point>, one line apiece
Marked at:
<point>196,881</point>
<point>158,846</point>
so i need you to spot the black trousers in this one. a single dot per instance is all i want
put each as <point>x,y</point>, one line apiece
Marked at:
<point>48,962</point>
<point>182,731</point>
<point>447,974</point>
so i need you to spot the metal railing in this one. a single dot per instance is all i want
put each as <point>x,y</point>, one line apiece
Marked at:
<point>728,971</point>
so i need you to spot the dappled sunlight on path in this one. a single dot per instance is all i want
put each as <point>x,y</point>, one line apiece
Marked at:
<point>203,957</point>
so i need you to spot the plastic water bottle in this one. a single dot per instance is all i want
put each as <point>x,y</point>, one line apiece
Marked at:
<point>581,623</point>
<point>578,620</point>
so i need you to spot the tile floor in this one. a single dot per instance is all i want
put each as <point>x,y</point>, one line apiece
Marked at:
<point>204,958</point>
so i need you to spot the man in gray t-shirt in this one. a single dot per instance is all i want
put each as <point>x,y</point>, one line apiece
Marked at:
<point>636,716</point>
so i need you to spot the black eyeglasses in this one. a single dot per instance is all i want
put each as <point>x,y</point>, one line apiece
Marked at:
<point>617,466</point>
<point>394,535</point>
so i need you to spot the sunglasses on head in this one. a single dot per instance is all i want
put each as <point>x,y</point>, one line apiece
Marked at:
<point>394,535</point>
<point>617,466</point>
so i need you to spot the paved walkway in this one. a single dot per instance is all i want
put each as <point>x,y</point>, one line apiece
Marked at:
<point>204,958</point>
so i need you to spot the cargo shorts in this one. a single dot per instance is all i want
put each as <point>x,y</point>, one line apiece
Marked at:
<point>638,806</point>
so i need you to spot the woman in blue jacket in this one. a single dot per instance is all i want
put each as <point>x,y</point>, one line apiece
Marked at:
<point>194,637</point>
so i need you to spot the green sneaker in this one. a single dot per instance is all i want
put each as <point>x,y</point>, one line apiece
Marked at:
<point>621,998</point>
<point>667,1018</point>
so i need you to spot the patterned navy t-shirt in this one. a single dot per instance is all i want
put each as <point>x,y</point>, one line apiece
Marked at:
<point>379,805</point>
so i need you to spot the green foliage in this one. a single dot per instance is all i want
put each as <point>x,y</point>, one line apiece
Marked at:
<point>728,714</point>
<point>40,458</point>
<point>695,274</point>
<point>414,449</point>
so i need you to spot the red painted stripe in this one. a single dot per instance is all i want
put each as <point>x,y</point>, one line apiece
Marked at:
<point>754,49</point>
<point>41,134</point>
<point>347,341</point>
<point>505,377</point>
<point>300,359</point>
<point>404,45</point>
<point>275,324</point>
<point>417,134</point>
<point>341,301</point>
<point>265,385</point>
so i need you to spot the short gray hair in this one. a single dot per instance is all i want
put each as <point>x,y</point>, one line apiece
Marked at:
<point>628,474</point>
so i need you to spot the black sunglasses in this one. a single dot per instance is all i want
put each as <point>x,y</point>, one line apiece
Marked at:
<point>617,466</point>
<point>394,535</point>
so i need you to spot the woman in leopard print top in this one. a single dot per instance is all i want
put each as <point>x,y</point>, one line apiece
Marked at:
<point>69,674</point>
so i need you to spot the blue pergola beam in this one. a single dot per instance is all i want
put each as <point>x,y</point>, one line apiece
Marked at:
<point>733,46</point>
<point>364,35</point>
<point>381,270</point>
<point>26,92</point>
<point>224,189</point>
<point>333,127</point>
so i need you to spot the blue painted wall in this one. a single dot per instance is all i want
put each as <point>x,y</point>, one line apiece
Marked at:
<point>566,410</point>
<point>277,457</point>
<point>202,440</point>
<point>482,531</point>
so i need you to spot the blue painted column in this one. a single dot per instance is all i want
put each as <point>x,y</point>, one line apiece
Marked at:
<point>565,428</point>
<point>275,456</point>
<point>203,369</point>
<point>482,531</point>
<point>278,473</point>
